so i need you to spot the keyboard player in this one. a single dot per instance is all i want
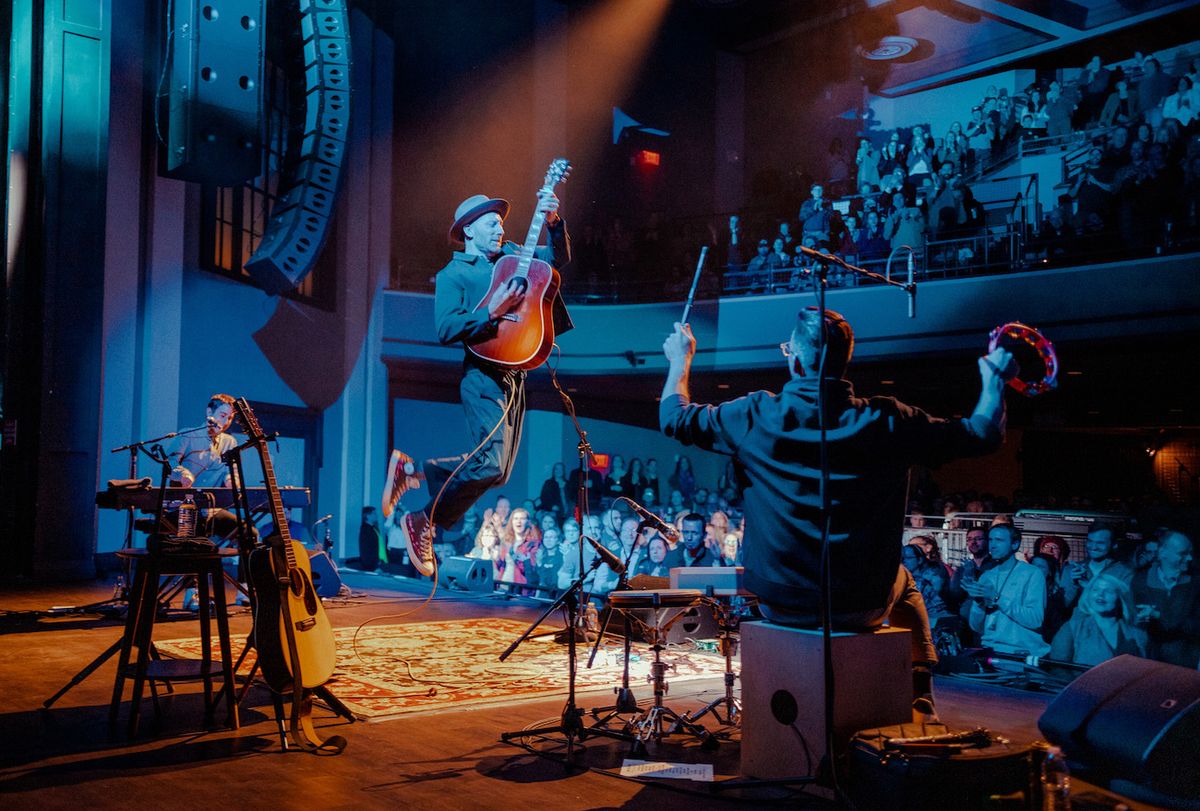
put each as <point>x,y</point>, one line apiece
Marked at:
<point>197,462</point>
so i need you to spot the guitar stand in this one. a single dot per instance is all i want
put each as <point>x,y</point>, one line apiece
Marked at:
<point>246,544</point>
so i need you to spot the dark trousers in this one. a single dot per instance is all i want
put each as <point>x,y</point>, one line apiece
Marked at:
<point>484,398</point>
<point>905,608</point>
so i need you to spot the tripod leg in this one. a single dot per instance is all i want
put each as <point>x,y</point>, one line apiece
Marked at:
<point>88,670</point>
<point>334,703</point>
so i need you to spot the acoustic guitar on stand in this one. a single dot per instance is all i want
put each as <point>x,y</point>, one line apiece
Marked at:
<point>525,336</point>
<point>289,617</point>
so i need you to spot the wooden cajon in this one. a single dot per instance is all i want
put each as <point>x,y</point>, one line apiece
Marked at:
<point>783,700</point>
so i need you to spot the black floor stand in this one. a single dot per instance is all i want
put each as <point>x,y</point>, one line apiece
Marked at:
<point>571,724</point>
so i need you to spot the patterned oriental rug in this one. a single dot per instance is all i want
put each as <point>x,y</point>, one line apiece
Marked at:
<point>395,670</point>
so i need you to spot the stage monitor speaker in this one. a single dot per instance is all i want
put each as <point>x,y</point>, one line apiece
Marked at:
<point>326,579</point>
<point>1133,719</point>
<point>301,216</point>
<point>466,574</point>
<point>213,96</point>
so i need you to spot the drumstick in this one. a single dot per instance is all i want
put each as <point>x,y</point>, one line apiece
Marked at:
<point>687,308</point>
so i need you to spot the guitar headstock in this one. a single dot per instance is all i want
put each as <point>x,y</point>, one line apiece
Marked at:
<point>557,173</point>
<point>246,417</point>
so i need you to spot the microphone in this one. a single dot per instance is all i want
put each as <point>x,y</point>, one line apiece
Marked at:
<point>911,288</point>
<point>610,560</point>
<point>322,520</point>
<point>653,521</point>
<point>211,421</point>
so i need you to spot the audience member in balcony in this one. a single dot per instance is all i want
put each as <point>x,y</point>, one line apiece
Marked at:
<point>905,225</point>
<point>780,257</point>
<point>965,215</point>
<point>979,136</point>
<point>1116,147</point>
<point>785,233</point>
<point>1058,112</point>
<point>733,242</point>
<point>919,163</point>
<point>849,234</point>
<point>1005,120</point>
<point>867,161</point>
<point>1167,597</point>
<point>1008,602</point>
<point>895,183</point>
<point>890,159</point>
<point>1092,189</point>
<point>872,242</point>
<point>952,151</point>
<point>1094,85</point>
<point>760,265</point>
<point>1103,626</point>
<point>1154,86</point>
<point>1181,105</point>
<point>1121,106</point>
<point>816,216</point>
<point>1101,559</point>
<point>1035,105</point>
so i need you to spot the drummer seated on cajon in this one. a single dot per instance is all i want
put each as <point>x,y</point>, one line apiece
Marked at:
<point>774,439</point>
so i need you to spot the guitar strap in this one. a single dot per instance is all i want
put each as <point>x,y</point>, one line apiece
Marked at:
<point>301,730</point>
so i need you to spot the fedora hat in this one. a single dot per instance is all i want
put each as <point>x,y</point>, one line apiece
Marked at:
<point>472,209</point>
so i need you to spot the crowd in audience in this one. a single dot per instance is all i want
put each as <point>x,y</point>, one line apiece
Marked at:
<point>1115,593</point>
<point>912,186</point>
<point>1111,597</point>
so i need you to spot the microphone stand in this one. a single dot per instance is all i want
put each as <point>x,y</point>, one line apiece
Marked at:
<point>571,724</point>
<point>820,282</point>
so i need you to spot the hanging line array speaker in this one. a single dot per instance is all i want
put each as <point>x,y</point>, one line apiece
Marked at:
<point>213,97</point>
<point>302,214</point>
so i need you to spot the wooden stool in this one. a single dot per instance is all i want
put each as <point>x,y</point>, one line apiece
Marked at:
<point>208,569</point>
<point>783,701</point>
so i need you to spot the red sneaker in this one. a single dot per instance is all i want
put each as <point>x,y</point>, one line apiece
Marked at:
<point>418,532</point>
<point>401,477</point>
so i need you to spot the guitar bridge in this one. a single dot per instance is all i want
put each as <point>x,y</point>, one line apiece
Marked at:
<point>511,317</point>
<point>306,624</point>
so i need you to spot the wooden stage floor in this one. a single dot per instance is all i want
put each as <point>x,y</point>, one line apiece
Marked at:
<point>64,758</point>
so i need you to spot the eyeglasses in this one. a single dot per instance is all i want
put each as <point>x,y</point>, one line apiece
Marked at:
<point>786,349</point>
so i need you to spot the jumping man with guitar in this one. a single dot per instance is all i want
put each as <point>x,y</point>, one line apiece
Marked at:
<point>501,302</point>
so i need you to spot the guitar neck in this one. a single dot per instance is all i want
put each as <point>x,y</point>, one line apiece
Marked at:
<point>531,239</point>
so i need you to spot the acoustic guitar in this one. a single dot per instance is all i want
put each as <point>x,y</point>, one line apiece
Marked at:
<point>291,631</point>
<point>525,336</point>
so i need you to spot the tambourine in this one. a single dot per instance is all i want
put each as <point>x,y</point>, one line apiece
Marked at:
<point>1045,350</point>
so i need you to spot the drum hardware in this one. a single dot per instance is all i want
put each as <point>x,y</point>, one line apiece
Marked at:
<point>659,610</point>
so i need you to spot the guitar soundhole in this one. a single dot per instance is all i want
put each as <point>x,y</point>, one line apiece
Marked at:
<point>521,282</point>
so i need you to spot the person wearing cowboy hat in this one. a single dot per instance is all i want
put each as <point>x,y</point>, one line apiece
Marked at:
<point>493,396</point>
